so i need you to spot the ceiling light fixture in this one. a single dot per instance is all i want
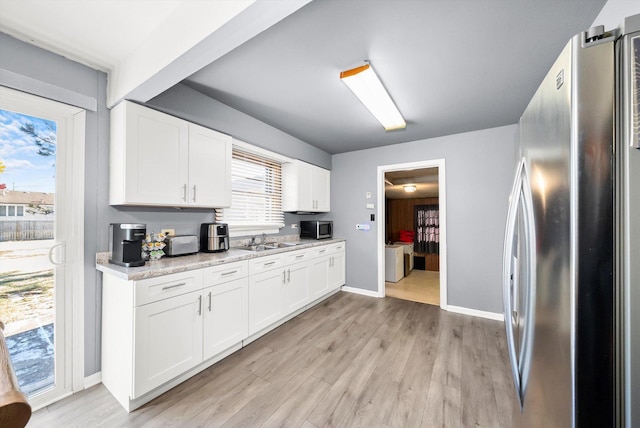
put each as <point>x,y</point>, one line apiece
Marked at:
<point>366,85</point>
<point>410,188</point>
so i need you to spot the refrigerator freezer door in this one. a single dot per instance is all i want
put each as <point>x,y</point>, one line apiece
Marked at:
<point>566,141</point>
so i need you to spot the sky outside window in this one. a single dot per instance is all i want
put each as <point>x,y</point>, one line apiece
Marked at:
<point>25,167</point>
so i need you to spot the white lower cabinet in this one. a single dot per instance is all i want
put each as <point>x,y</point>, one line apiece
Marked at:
<point>337,265</point>
<point>319,275</point>
<point>158,332</point>
<point>265,298</point>
<point>225,305</point>
<point>296,287</point>
<point>167,340</point>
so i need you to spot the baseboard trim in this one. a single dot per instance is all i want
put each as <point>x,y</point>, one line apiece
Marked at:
<point>476,313</point>
<point>92,380</point>
<point>355,290</point>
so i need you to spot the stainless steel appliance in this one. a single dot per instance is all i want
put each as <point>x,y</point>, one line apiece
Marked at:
<point>571,290</point>
<point>125,244</point>
<point>214,237</point>
<point>180,245</point>
<point>316,229</point>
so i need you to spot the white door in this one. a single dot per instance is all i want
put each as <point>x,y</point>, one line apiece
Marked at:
<point>209,168</point>
<point>42,242</point>
<point>321,182</point>
<point>157,161</point>
<point>265,299</point>
<point>318,277</point>
<point>296,290</point>
<point>167,340</point>
<point>337,270</point>
<point>225,316</point>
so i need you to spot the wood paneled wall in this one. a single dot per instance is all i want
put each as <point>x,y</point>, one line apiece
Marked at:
<point>399,216</point>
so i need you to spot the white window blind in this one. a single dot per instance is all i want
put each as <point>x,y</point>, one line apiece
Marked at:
<point>256,189</point>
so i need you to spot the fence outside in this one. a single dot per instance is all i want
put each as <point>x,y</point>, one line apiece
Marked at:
<point>26,230</point>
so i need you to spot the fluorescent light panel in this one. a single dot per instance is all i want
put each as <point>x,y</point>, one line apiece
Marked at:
<point>366,85</point>
<point>410,188</point>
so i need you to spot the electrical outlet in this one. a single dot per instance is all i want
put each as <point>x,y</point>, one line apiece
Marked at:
<point>171,232</point>
<point>294,226</point>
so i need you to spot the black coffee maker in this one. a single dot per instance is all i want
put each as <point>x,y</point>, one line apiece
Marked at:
<point>125,244</point>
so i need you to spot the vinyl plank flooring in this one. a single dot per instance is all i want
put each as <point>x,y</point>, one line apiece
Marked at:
<point>350,361</point>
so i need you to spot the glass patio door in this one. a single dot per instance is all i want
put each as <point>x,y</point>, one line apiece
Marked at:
<point>36,266</point>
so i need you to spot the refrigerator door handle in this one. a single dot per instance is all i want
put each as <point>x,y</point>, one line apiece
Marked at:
<point>508,276</point>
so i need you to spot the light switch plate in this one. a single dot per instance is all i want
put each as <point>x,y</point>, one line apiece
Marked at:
<point>368,195</point>
<point>370,206</point>
<point>171,232</point>
<point>362,226</point>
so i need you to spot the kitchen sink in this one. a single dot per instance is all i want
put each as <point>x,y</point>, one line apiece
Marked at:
<point>266,247</point>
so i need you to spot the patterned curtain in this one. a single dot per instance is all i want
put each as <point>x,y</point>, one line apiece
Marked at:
<point>427,227</point>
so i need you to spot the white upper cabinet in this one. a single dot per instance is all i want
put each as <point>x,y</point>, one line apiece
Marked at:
<point>158,159</point>
<point>209,168</point>
<point>306,187</point>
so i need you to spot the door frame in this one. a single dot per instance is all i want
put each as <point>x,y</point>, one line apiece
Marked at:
<point>71,297</point>
<point>381,214</point>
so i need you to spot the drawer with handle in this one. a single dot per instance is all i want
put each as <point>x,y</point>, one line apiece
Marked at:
<point>225,272</point>
<point>166,286</point>
<point>297,256</point>
<point>263,264</point>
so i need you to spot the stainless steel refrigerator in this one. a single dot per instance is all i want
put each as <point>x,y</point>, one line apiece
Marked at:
<point>571,273</point>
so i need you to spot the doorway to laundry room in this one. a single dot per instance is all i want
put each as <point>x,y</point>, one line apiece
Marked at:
<point>412,233</point>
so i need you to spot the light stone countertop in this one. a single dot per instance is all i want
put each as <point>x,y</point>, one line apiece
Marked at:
<point>168,265</point>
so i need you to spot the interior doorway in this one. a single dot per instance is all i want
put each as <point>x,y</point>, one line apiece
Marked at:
<point>412,232</point>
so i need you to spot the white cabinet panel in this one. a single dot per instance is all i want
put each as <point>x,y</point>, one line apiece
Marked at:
<point>337,271</point>
<point>296,289</point>
<point>225,316</point>
<point>318,277</point>
<point>265,299</point>
<point>321,183</point>
<point>167,340</point>
<point>305,187</point>
<point>209,168</point>
<point>158,159</point>
<point>149,157</point>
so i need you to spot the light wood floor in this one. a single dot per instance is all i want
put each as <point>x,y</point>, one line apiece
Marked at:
<point>350,361</point>
<point>419,286</point>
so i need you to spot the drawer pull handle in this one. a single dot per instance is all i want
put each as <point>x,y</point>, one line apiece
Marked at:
<point>322,251</point>
<point>229,273</point>
<point>300,256</point>
<point>270,263</point>
<point>169,287</point>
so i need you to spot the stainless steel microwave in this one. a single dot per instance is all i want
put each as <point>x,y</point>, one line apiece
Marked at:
<point>316,229</point>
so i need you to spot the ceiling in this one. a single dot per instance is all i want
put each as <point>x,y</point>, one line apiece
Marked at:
<point>425,180</point>
<point>451,66</point>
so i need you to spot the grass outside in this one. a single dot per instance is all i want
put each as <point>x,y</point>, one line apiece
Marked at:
<point>25,295</point>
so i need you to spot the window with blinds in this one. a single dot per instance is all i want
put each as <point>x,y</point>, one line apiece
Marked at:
<point>256,201</point>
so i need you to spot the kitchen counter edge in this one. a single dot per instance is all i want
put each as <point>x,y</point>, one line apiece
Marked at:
<point>169,265</point>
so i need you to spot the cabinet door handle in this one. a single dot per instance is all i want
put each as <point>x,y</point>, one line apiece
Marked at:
<point>209,301</point>
<point>184,192</point>
<point>283,277</point>
<point>288,275</point>
<point>169,287</point>
<point>194,193</point>
<point>200,305</point>
<point>229,273</point>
